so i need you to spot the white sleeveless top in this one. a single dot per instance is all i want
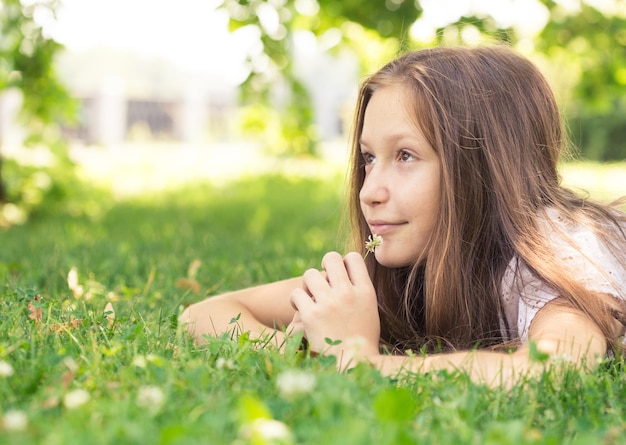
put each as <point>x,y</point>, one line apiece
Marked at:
<point>523,294</point>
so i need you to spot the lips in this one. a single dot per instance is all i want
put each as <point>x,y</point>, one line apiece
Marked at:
<point>380,227</point>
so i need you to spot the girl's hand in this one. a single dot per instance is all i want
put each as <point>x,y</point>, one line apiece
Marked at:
<point>338,310</point>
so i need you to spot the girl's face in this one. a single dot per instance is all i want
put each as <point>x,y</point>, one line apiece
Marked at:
<point>400,194</point>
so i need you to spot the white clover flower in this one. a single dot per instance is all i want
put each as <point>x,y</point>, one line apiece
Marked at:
<point>15,420</point>
<point>76,398</point>
<point>71,364</point>
<point>266,431</point>
<point>222,363</point>
<point>150,396</point>
<point>373,241</point>
<point>293,382</point>
<point>6,370</point>
<point>155,359</point>
<point>139,361</point>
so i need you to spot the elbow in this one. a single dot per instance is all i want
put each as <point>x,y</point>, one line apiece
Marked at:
<point>185,320</point>
<point>188,321</point>
<point>552,352</point>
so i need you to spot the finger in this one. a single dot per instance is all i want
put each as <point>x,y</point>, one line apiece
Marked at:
<point>296,317</point>
<point>295,328</point>
<point>335,269</point>
<point>296,325</point>
<point>300,300</point>
<point>356,269</point>
<point>315,284</point>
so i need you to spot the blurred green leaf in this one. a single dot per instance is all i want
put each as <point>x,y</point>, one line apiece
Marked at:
<point>395,405</point>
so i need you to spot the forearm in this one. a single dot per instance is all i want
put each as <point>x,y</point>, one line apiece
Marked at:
<point>489,367</point>
<point>486,367</point>
<point>216,316</point>
<point>563,334</point>
<point>263,311</point>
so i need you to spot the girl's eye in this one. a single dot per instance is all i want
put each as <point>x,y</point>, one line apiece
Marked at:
<point>405,156</point>
<point>368,158</point>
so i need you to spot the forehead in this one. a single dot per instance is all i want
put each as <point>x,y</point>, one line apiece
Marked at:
<point>389,109</point>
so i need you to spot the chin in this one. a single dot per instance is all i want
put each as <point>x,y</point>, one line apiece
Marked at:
<point>392,263</point>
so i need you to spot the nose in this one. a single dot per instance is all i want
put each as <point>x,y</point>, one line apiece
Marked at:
<point>375,188</point>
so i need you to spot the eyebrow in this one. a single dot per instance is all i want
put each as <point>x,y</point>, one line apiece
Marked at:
<point>395,137</point>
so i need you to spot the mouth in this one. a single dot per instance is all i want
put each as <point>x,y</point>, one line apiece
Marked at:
<point>383,227</point>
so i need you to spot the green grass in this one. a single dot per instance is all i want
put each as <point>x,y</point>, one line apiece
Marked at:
<point>148,384</point>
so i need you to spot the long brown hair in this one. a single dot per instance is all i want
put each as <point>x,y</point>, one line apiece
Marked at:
<point>493,120</point>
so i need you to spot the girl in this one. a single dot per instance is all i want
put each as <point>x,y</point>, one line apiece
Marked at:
<point>454,165</point>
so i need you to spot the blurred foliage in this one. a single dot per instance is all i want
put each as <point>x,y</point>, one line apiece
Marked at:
<point>27,65</point>
<point>582,41</point>
<point>592,44</point>
<point>277,95</point>
<point>27,60</point>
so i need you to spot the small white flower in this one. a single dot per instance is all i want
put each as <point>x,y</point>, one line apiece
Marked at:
<point>71,364</point>
<point>155,359</point>
<point>266,431</point>
<point>139,361</point>
<point>373,241</point>
<point>76,398</point>
<point>15,420</point>
<point>222,363</point>
<point>6,370</point>
<point>294,382</point>
<point>150,396</point>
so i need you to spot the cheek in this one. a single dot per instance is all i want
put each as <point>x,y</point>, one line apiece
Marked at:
<point>420,202</point>
<point>432,198</point>
<point>424,208</point>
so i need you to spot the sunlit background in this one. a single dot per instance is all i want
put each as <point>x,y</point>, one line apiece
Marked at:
<point>194,36</point>
<point>176,89</point>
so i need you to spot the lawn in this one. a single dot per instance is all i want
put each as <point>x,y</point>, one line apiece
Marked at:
<point>90,350</point>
